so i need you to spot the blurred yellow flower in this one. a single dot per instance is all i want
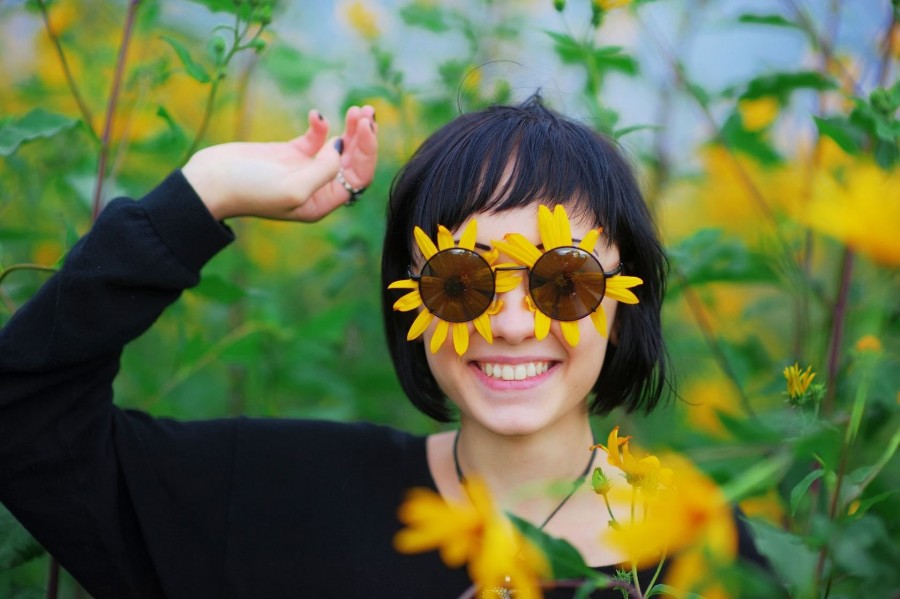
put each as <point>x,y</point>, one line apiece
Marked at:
<point>860,208</point>
<point>690,511</point>
<point>474,532</point>
<point>768,506</point>
<point>758,113</point>
<point>798,381</point>
<point>707,397</point>
<point>645,473</point>
<point>612,4</point>
<point>362,19</point>
<point>869,343</point>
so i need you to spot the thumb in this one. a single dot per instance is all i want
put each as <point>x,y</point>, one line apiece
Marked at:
<point>311,176</point>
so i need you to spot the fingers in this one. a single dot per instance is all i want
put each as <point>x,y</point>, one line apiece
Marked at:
<point>361,149</point>
<point>312,141</point>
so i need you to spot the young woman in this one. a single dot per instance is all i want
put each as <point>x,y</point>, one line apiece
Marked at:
<point>140,507</point>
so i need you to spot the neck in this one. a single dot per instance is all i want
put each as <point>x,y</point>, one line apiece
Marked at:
<point>513,465</point>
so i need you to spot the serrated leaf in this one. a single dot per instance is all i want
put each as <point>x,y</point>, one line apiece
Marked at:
<point>775,20</point>
<point>17,546</point>
<point>564,559</point>
<point>193,69</point>
<point>427,16</point>
<point>37,124</point>
<point>841,131</point>
<point>790,557</point>
<point>802,487</point>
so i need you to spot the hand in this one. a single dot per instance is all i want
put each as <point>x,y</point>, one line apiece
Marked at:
<point>292,180</point>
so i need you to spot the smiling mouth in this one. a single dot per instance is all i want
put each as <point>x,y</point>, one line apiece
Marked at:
<point>514,372</point>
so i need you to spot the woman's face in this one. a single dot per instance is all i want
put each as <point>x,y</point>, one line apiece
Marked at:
<point>557,376</point>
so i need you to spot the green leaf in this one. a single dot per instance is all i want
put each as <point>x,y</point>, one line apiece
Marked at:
<point>292,71</point>
<point>427,16</point>
<point>193,69</point>
<point>626,130</point>
<point>219,289</point>
<point>790,557</point>
<point>17,546</point>
<point>802,487</point>
<point>37,124</point>
<point>782,85</point>
<point>709,256</point>
<point>565,561</point>
<point>664,589</point>
<point>757,478</point>
<point>844,134</point>
<point>774,20</point>
<point>752,143</point>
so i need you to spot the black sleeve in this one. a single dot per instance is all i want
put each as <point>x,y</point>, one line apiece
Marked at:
<point>61,438</point>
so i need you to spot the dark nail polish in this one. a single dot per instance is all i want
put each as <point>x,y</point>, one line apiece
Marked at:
<point>339,145</point>
<point>321,118</point>
<point>372,127</point>
<point>373,115</point>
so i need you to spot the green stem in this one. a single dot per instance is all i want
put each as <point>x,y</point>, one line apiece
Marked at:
<point>115,90</point>
<point>609,509</point>
<point>837,330</point>
<point>15,267</point>
<point>86,115</point>
<point>659,568</point>
<point>634,572</point>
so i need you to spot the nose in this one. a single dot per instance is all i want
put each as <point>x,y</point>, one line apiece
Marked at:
<point>515,322</point>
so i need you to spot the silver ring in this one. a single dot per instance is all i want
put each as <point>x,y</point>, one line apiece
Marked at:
<point>355,192</point>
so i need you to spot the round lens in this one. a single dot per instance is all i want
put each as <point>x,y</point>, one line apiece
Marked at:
<point>567,283</point>
<point>457,285</point>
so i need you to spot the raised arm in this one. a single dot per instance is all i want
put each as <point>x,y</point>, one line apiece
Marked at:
<point>80,474</point>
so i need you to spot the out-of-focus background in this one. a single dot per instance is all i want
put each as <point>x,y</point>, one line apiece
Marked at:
<point>765,134</point>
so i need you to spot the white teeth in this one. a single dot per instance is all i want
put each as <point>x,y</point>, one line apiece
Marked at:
<point>514,372</point>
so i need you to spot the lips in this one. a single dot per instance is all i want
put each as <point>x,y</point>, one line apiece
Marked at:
<point>514,372</point>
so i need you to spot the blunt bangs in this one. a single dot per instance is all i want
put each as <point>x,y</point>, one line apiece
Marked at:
<point>508,157</point>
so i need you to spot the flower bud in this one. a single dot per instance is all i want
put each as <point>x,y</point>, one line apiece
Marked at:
<point>601,484</point>
<point>559,5</point>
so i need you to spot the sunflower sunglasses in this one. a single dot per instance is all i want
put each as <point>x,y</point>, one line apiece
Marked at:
<point>566,283</point>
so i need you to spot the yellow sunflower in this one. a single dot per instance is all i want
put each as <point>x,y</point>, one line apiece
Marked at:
<point>503,281</point>
<point>556,232</point>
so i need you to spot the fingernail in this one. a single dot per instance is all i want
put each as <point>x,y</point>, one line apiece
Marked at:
<point>372,127</point>
<point>321,118</point>
<point>373,115</point>
<point>339,145</point>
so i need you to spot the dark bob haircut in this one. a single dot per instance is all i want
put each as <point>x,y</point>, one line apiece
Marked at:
<point>507,157</point>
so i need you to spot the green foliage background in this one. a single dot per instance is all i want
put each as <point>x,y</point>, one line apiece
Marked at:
<point>288,324</point>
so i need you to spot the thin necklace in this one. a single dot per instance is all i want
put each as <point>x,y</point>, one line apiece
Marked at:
<point>575,483</point>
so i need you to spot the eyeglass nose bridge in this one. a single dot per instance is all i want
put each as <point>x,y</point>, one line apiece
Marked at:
<point>539,304</point>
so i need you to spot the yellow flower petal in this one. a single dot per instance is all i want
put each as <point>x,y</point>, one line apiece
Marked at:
<point>460,337</point>
<point>598,317</point>
<point>426,246</point>
<point>483,326</point>
<point>547,227</point>
<point>570,332</point>
<point>518,248</point>
<point>404,284</point>
<point>494,308</point>
<point>541,325</point>
<point>590,240</point>
<point>491,255</point>
<point>419,324</point>
<point>506,280</point>
<point>410,301</point>
<point>467,240</point>
<point>445,238</point>
<point>617,288</point>
<point>440,334</point>
<point>563,228</point>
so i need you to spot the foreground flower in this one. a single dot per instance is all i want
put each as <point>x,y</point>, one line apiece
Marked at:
<point>474,532</point>
<point>556,231</point>
<point>688,513</point>
<point>504,281</point>
<point>645,473</point>
<point>797,381</point>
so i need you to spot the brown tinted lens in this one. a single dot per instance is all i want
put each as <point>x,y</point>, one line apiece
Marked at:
<point>457,285</point>
<point>567,283</point>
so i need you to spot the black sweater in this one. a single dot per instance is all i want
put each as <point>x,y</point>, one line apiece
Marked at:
<point>134,506</point>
